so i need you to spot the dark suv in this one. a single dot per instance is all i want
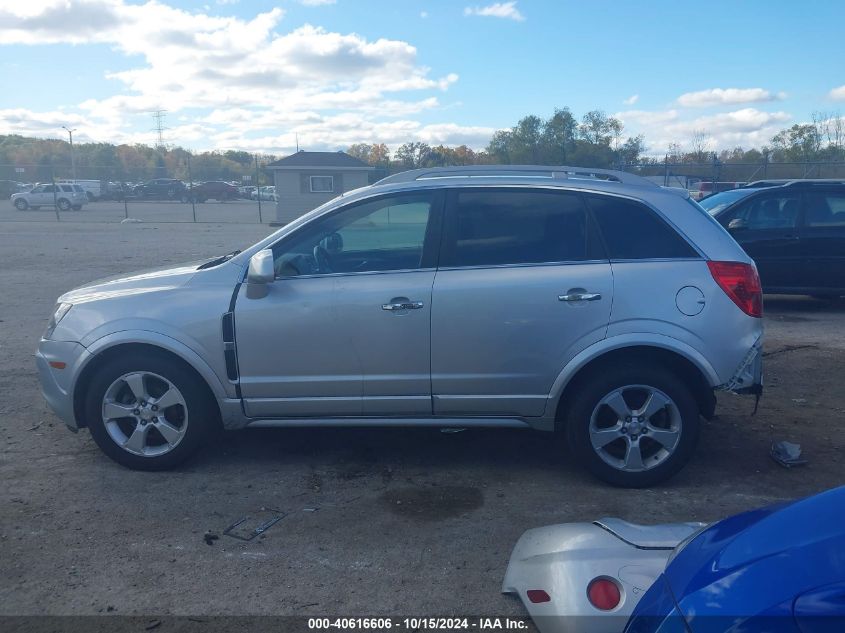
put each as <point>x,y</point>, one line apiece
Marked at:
<point>160,189</point>
<point>794,230</point>
<point>211,190</point>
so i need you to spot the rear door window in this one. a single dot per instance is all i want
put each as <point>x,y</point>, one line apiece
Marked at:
<point>633,231</point>
<point>493,227</point>
<point>825,208</point>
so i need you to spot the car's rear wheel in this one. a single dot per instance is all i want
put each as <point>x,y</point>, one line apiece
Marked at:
<point>21,204</point>
<point>632,425</point>
<point>147,412</point>
<point>63,204</point>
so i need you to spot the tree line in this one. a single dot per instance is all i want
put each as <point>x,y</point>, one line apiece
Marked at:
<point>598,140</point>
<point>594,140</point>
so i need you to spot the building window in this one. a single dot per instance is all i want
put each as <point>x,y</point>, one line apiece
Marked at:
<point>322,184</point>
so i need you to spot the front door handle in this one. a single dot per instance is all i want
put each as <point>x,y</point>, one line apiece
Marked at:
<point>406,305</point>
<point>580,296</point>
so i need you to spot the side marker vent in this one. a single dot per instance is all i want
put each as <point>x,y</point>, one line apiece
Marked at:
<point>229,346</point>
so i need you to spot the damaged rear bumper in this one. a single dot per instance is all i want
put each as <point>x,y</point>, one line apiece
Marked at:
<point>748,378</point>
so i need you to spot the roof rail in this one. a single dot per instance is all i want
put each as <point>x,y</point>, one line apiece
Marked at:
<point>517,171</point>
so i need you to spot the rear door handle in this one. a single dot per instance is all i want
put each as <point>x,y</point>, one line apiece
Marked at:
<point>580,296</point>
<point>407,305</point>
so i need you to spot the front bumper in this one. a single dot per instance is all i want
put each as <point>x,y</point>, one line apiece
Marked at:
<point>57,384</point>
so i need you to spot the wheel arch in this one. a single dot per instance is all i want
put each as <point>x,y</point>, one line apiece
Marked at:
<point>105,352</point>
<point>695,371</point>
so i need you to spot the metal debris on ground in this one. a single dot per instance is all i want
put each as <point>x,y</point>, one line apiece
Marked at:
<point>266,519</point>
<point>787,454</point>
<point>799,401</point>
<point>210,537</point>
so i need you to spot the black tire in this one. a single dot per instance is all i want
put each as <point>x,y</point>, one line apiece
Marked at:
<point>589,391</point>
<point>90,196</point>
<point>21,204</point>
<point>63,204</point>
<point>202,413</point>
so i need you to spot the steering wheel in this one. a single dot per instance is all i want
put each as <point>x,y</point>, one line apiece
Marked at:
<point>321,256</point>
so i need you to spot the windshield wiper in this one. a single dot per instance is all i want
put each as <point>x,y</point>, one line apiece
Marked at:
<point>217,260</point>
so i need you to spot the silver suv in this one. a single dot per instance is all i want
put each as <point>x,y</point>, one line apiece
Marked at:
<point>64,195</point>
<point>592,303</point>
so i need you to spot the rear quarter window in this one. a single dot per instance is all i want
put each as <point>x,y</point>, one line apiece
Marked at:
<point>633,231</point>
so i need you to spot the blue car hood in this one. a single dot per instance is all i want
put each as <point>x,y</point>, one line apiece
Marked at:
<point>756,563</point>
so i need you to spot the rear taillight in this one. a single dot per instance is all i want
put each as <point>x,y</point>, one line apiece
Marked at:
<point>741,283</point>
<point>604,594</point>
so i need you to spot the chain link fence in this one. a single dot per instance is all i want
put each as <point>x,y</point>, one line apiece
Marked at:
<point>706,175</point>
<point>117,193</point>
<point>105,193</point>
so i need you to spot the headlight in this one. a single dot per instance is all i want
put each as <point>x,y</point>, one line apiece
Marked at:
<point>58,314</point>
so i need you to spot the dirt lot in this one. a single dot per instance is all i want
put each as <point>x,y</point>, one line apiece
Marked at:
<point>377,521</point>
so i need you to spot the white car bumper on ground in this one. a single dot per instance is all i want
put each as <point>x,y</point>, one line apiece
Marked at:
<point>551,568</point>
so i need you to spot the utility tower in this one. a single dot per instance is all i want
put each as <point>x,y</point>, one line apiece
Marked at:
<point>159,116</point>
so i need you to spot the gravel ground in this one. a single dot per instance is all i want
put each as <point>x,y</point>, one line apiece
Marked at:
<point>375,521</point>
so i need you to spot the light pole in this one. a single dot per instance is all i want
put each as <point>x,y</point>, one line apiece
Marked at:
<point>72,163</point>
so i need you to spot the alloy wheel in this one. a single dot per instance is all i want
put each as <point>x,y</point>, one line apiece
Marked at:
<point>635,428</point>
<point>145,414</point>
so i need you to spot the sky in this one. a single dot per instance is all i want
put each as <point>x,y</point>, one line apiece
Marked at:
<point>258,75</point>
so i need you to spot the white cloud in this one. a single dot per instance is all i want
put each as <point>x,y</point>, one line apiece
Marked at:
<point>631,100</point>
<point>728,96</point>
<point>507,10</point>
<point>316,3</point>
<point>837,93</point>
<point>747,127</point>
<point>423,14</point>
<point>201,68</point>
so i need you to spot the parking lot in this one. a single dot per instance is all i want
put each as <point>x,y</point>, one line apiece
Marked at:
<point>375,521</point>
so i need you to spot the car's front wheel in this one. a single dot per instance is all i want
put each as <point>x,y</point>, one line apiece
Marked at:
<point>148,412</point>
<point>633,425</point>
<point>21,204</point>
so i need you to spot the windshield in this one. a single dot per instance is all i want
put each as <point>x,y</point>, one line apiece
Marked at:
<point>715,203</point>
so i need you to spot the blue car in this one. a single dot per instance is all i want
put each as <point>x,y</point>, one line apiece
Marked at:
<point>779,569</point>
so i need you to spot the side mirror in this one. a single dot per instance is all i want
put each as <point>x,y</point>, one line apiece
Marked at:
<point>261,268</point>
<point>737,224</point>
